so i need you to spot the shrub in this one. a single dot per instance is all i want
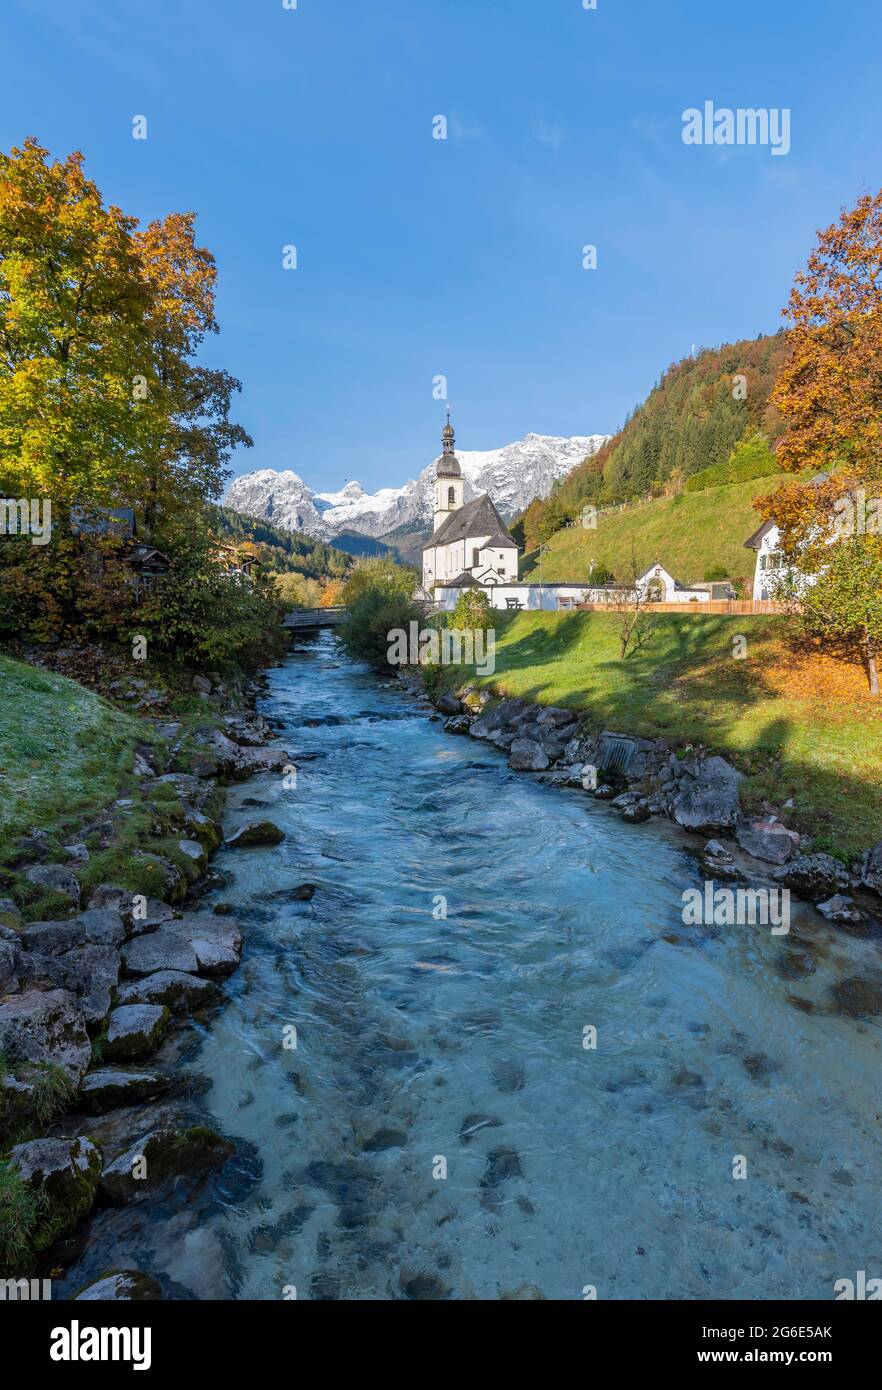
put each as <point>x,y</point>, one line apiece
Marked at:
<point>472,612</point>
<point>378,595</point>
<point>752,458</point>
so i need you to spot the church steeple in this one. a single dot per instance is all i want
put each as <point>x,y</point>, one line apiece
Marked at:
<point>448,477</point>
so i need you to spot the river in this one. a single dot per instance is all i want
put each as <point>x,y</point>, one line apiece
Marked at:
<point>441,1127</point>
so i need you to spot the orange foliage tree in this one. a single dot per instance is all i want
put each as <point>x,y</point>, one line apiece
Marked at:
<point>830,392</point>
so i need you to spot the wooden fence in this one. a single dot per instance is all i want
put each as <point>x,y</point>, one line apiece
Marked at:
<point>731,607</point>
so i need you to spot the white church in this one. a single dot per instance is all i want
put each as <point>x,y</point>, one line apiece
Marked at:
<point>470,546</point>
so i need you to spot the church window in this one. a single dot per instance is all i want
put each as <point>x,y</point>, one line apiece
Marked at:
<point>451,497</point>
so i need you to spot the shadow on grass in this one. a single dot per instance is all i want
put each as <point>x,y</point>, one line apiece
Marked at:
<point>686,685</point>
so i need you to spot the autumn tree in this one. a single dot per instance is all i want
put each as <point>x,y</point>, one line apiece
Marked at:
<point>830,391</point>
<point>185,434</point>
<point>830,388</point>
<point>101,398</point>
<point>72,300</point>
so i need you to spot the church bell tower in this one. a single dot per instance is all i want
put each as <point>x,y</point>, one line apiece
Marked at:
<point>448,477</point>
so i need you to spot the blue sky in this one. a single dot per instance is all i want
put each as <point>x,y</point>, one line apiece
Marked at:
<point>419,257</point>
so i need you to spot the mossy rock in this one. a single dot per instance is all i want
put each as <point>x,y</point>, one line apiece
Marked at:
<point>48,1186</point>
<point>160,1159</point>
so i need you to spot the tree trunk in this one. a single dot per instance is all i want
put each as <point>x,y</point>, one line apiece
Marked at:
<point>872,668</point>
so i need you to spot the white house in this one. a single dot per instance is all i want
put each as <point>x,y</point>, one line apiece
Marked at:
<point>771,564</point>
<point>658,586</point>
<point>470,542</point>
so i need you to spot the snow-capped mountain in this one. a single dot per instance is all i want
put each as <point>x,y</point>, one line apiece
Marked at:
<point>513,476</point>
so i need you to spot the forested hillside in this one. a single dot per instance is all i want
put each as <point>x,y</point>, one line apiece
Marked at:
<point>692,420</point>
<point>282,552</point>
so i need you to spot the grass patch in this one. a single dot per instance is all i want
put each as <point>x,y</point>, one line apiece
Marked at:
<point>686,686</point>
<point>66,752</point>
<point>688,534</point>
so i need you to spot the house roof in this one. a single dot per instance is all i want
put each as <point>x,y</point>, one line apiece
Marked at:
<point>462,581</point>
<point>147,557</point>
<point>477,518</point>
<point>755,541</point>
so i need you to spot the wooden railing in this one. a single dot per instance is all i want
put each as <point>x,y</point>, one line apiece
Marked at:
<point>731,607</point>
<point>311,618</point>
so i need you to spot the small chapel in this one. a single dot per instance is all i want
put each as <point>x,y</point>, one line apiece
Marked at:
<point>471,546</point>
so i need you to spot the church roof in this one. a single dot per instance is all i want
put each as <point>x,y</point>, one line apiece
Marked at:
<point>448,467</point>
<point>477,518</point>
<point>462,581</point>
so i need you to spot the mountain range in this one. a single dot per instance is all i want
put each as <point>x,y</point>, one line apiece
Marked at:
<point>512,475</point>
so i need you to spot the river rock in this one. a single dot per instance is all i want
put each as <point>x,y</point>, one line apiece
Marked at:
<point>90,972</point>
<point>841,908</point>
<point>109,1088</point>
<point>816,876</point>
<point>178,989</point>
<point>449,704</point>
<point>708,799</point>
<point>134,1031</point>
<point>263,832</point>
<point>62,1175</point>
<point>57,879</point>
<point>871,875</point>
<point>121,1286</point>
<point>194,851</point>
<point>554,716</point>
<point>272,759</point>
<point>168,1156</point>
<point>481,729</point>
<point>636,812</point>
<point>767,840</point>
<point>45,1026</point>
<point>459,724</point>
<point>528,756</point>
<point>103,926</point>
<point>174,884</point>
<point>216,943</point>
<point>53,938</point>
<point>163,949</point>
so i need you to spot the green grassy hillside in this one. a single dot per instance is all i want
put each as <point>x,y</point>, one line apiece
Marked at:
<point>65,750</point>
<point>687,533</point>
<point>799,725</point>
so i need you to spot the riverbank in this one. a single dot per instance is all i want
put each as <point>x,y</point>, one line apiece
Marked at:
<point>799,726</point>
<point>109,820</point>
<point>423,954</point>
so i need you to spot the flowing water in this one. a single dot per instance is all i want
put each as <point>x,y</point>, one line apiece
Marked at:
<point>441,1128</point>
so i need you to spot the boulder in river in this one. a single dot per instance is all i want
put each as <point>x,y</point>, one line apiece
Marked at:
<point>160,950</point>
<point>527,755</point>
<point>458,724</point>
<point>134,1031</point>
<point>108,1088</point>
<point>160,1159</point>
<point>178,989</point>
<point>215,942</point>
<point>121,1286</point>
<point>816,876</point>
<point>62,1177</point>
<point>767,840</point>
<point>258,832</point>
